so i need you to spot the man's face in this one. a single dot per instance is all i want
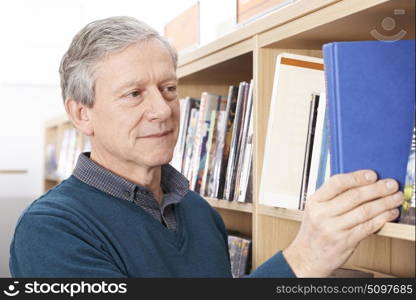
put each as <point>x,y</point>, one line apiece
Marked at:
<point>135,116</point>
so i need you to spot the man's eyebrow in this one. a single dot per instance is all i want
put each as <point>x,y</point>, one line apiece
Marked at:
<point>132,83</point>
<point>127,84</point>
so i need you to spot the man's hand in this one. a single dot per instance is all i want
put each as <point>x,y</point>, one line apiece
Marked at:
<point>342,212</point>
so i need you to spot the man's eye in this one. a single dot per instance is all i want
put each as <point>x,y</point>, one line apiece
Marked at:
<point>169,89</point>
<point>134,94</point>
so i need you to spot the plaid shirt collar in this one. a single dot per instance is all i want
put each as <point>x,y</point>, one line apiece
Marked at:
<point>173,183</point>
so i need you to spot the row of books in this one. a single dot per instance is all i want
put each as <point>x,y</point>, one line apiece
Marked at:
<point>214,148</point>
<point>333,115</point>
<point>61,158</point>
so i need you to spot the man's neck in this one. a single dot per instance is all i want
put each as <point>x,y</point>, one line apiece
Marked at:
<point>149,178</point>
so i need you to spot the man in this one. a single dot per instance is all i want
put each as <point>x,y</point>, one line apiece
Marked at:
<point>125,212</point>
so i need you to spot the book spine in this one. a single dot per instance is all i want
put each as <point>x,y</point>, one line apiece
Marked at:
<point>233,143</point>
<point>228,132</point>
<point>332,86</point>
<point>209,152</point>
<point>313,109</point>
<point>198,140</point>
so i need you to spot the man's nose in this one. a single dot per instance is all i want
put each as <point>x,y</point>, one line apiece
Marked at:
<point>158,106</point>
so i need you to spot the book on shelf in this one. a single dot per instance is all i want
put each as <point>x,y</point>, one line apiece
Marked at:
<point>230,179</point>
<point>407,212</point>
<point>208,183</point>
<point>296,78</point>
<point>371,102</point>
<point>210,148</point>
<point>240,255</point>
<point>309,147</point>
<point>244,148</point>
<point>186,105</point>
<point>225,142</point>
<point>317,148</point>
<point>209,102</point>
<point>190,141</point>
<point>207,143</point>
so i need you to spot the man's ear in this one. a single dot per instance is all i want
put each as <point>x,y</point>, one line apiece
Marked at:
<point>80,116</point>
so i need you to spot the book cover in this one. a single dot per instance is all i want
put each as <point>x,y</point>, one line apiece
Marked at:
<point>191,104</point>
<point>186,104</point>
<point>210,146</point>
<point>233,157</point>
<point>240,255</point>
<point>216,154</point>
<point>209,102</point>
<point>190,142</point>
<point>225,142</point>
<point>371,99</point>
<point>297,77</point>
<point>244,132</point>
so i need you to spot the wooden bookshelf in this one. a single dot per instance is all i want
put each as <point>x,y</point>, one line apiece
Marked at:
<point>392,230</point>
<point>250,52</point>
<point>232,205</point>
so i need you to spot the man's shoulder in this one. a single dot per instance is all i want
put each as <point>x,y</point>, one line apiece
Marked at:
<point>65,194</point>
<point>60,202</point>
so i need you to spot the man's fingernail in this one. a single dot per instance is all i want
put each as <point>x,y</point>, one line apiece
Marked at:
<point>370,176</point>
<point>398,197</point>
<point>390,184</point>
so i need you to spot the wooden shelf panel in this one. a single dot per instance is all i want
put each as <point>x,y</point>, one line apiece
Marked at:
<point>344,21</point>
<point>274,19</point>
<point>230,205</point>
<point>391,230</point>
<point>216,58</point>
<point>283,213</point>
<point>398,231</point>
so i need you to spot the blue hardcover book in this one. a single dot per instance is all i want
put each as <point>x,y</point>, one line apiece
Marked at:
<point>371,100</point>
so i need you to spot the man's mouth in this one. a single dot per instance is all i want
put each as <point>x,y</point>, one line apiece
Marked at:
<point>158,135</point>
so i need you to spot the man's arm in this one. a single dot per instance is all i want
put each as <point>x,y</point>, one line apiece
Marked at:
<point>55,246</point>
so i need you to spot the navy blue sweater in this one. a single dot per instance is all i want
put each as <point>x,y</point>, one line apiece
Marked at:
<point>75,230</point>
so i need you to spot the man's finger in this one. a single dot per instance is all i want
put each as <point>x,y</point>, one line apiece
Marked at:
<point>370,210</point>
<point>339,183</point>
<point>365,229</point>
<point>355,197</point>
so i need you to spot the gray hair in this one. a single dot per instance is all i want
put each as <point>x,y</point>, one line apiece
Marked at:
<point>96,40</point>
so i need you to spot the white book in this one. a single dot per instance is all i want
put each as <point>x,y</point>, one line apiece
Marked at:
<point>296,78</point>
